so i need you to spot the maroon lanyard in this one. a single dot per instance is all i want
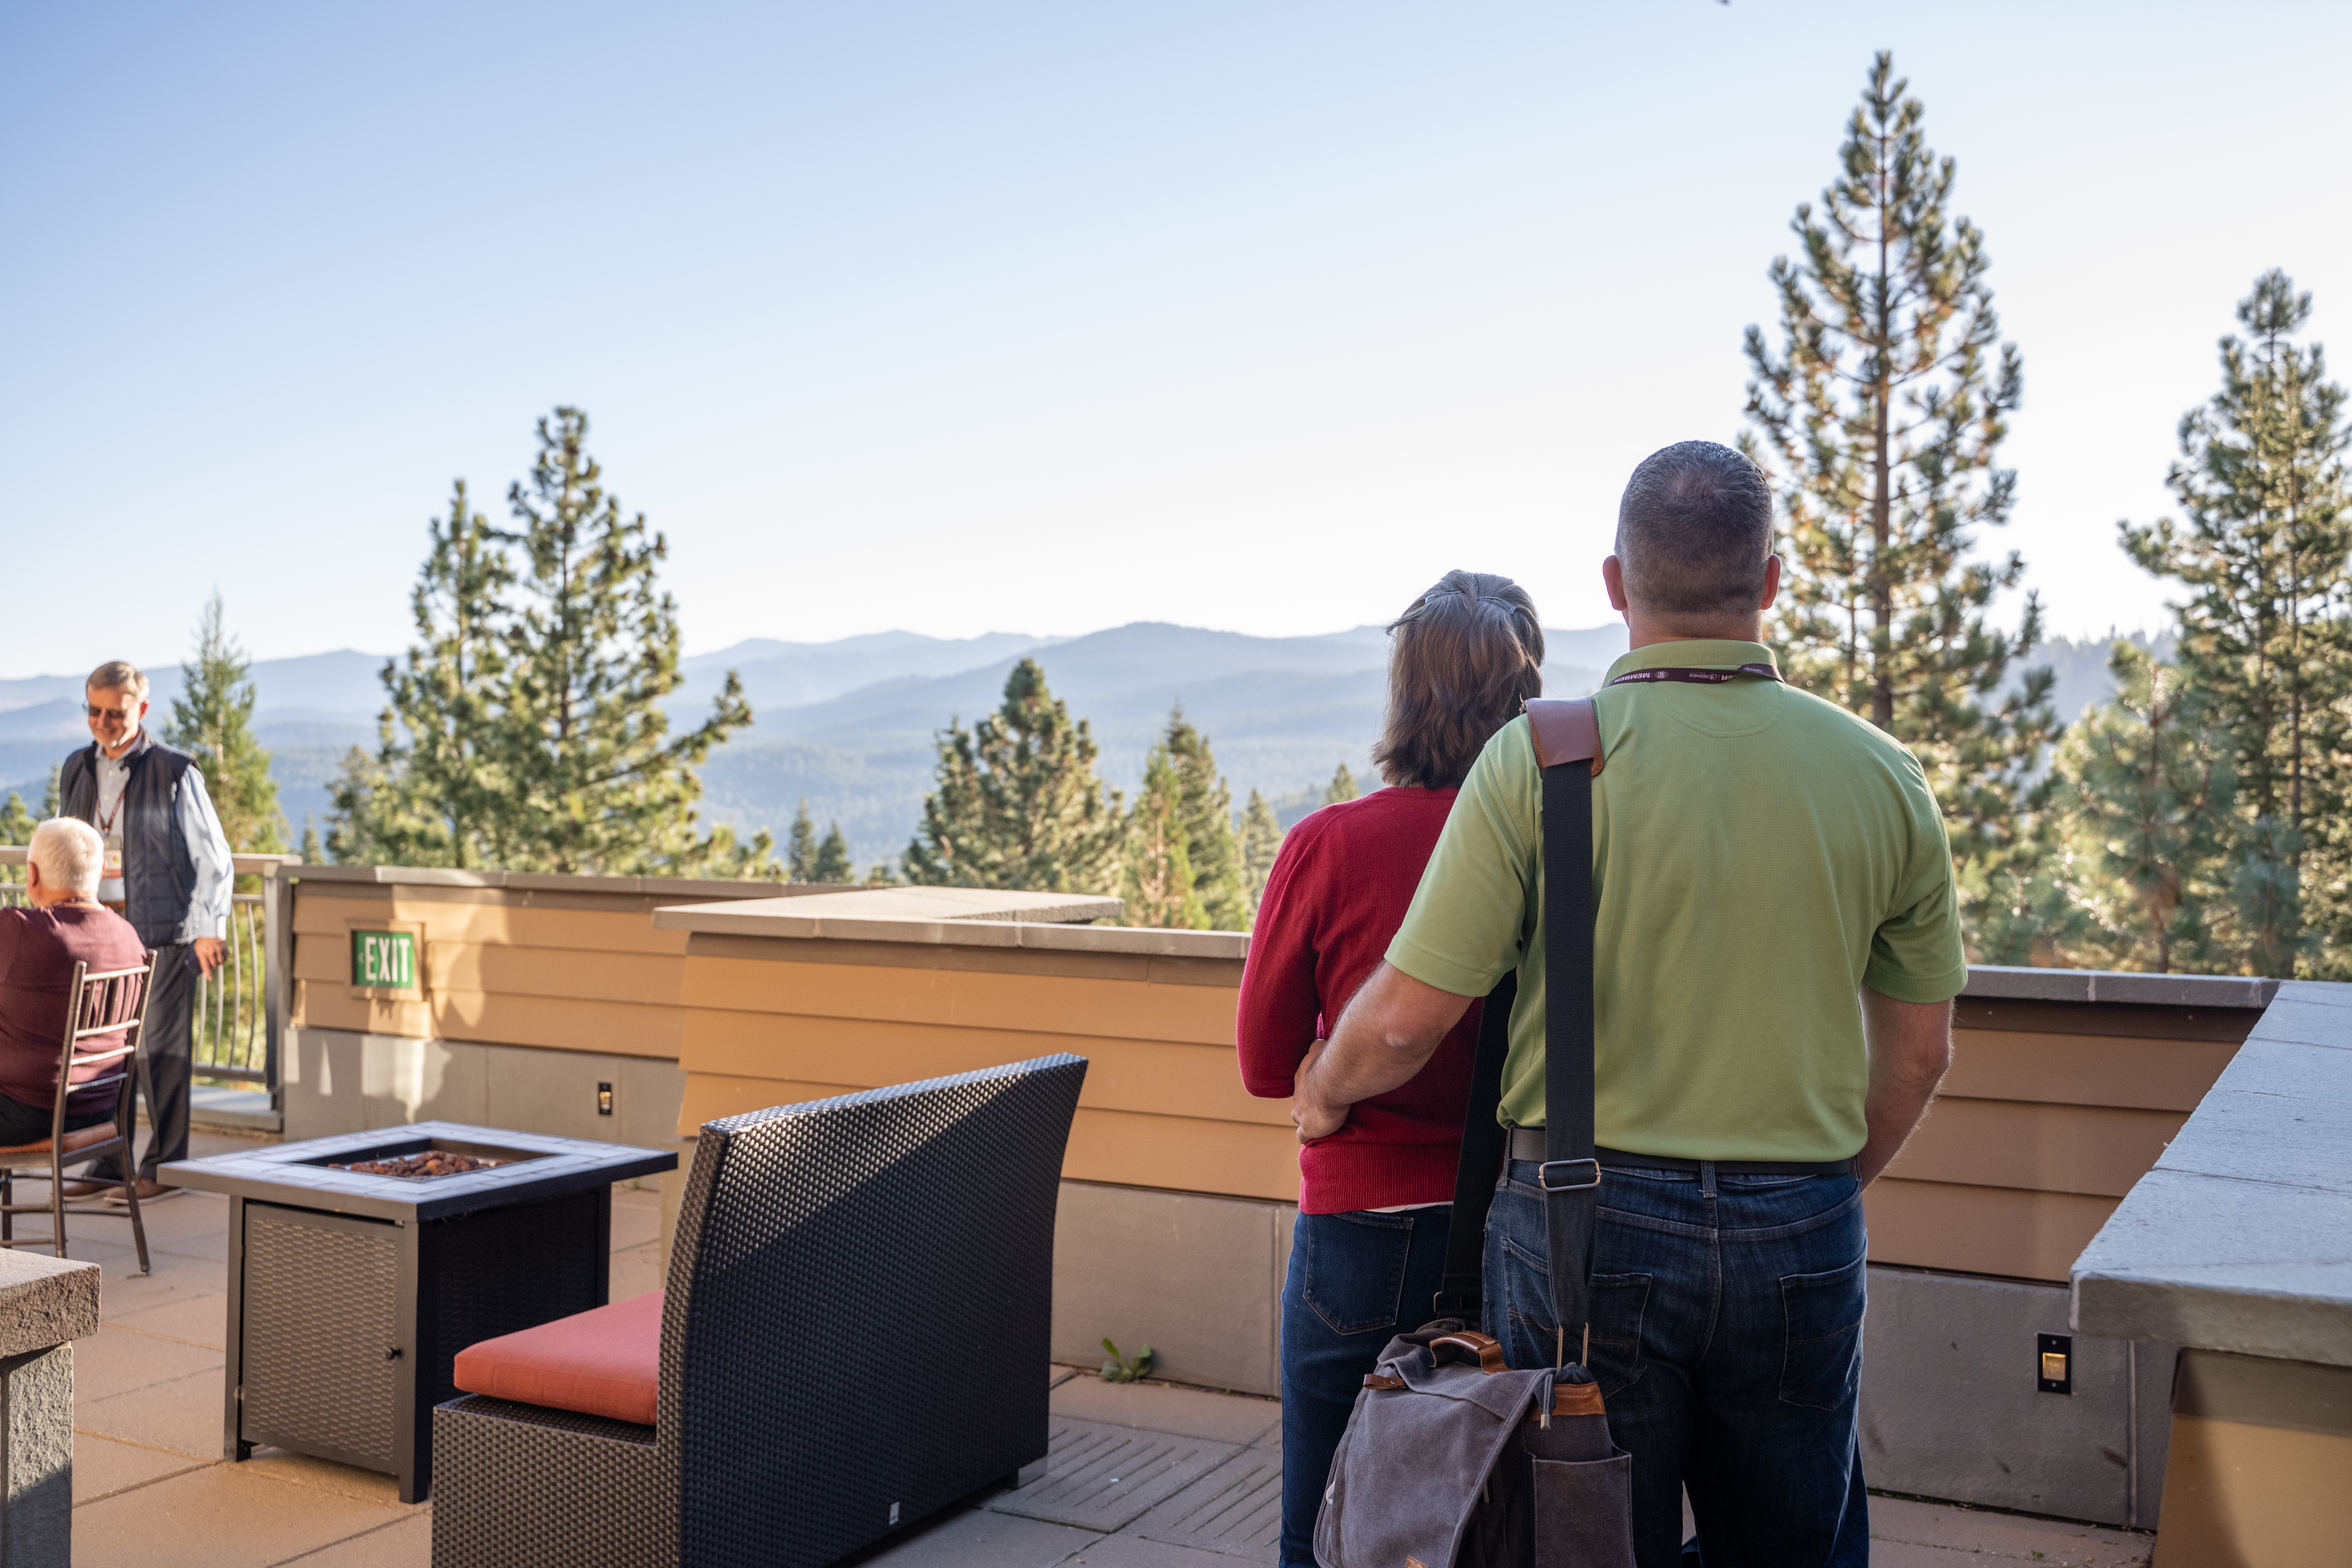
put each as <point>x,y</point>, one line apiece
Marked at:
<point>1696,677</point>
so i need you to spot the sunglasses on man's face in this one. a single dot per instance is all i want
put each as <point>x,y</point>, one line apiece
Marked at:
<point>98,712</point>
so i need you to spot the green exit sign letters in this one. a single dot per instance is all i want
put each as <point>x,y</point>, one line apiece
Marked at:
<point>383,960</point>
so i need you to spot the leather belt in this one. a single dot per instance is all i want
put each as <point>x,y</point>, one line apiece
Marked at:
<point>1528,1143</point>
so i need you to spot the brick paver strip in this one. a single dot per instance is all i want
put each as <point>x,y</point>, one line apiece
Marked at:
<point>1104,1477</point>
<point>1236,1509</point>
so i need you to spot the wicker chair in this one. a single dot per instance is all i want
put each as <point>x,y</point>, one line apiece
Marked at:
<point>854,1336</point>
<point>107,1002</point>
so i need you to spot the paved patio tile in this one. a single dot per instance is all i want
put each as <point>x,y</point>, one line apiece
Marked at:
<point>1898,1525</point>
<point>1161,1407</point>
<point>636,1219</point>
<point>117,1361</point>
<point>103,1467</point>
<point>407,1544</point>
<point>182,1415</point>
<point>635,1272</point>
<point>221,1516</point>
<point>982,1540</point>
<point>1236,1509</point>
<point>1100,1476</point>
<point>196,1320</point>
<point>1134,1551</point>
<point>324,1475</point>
<point>125,1290</point>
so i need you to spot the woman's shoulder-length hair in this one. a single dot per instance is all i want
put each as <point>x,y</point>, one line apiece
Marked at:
<point>1463,658</point>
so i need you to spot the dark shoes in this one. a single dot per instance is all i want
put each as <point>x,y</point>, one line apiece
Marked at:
<point>150,1191</point>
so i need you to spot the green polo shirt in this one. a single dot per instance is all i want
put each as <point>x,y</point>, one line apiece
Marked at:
<point>1758,855</point>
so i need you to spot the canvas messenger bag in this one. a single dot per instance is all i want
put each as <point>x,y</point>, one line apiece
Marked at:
<point>1450,1460</point>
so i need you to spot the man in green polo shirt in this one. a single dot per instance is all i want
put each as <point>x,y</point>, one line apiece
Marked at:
<point>1776,952</point>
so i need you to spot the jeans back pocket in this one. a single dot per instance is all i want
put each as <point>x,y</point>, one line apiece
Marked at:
<point>1354,1279</point>
<point>1821,1360</point>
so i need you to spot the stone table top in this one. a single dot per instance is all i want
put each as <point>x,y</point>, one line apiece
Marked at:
<point>2241,1238</point>
<point>541,1166</point>
<point>45,1301</point>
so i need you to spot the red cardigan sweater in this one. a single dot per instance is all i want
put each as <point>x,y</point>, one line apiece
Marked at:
<point>1338,890</point>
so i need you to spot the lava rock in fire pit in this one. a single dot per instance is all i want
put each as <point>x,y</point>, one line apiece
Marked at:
<point>432,1163</point>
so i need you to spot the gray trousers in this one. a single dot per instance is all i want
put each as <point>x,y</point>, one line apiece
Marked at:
<point>169,1046</point>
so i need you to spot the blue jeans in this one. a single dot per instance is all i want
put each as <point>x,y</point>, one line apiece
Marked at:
<point>1726,1338</point>
<point>1356,1280</point>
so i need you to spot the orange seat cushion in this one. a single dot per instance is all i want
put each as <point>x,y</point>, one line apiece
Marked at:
<point>603,1362</point>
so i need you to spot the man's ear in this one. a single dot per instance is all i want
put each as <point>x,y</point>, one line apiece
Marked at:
<point>1612,573</point>
<point>1771,580</point>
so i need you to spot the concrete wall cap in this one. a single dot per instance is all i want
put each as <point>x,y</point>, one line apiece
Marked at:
<point>953,916</point>
<point>45,1301</point>
<point>2005,981</point>
<point>542,882</point>
<point>2235,1240</point>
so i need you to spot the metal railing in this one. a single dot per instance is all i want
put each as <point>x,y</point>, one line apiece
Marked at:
<point>236,1027</point>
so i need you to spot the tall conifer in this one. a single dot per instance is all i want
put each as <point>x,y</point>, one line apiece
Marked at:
<point>1157,879</point>
<point>432,794</point>
<point>593,780</point>
<point>2150,782</point>
<point>1016,802</point>
<point>1880,419</point>
<point>1261,842</point>
<point>1341,788</point>
<point>1206,804</point>
<point>2266,527</point>
<point>830,862</point>
<point>211,720</point>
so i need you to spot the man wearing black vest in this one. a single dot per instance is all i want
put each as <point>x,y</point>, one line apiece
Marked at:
<point>167,871</point>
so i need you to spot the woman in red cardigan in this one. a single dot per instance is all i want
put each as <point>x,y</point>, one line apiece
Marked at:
<point>1374,1197</point>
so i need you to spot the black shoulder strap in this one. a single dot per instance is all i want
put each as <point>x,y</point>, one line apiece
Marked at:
<point>1565,735</point>
<point>1570,1175</point>
<point>1461,1293</point>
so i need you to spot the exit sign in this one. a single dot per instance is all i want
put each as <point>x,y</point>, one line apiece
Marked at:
<point>383,960</point>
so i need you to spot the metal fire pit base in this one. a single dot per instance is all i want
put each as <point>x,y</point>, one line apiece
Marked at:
<point>349,1295</point>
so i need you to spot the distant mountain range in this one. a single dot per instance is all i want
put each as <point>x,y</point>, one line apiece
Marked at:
<point>848,725</point>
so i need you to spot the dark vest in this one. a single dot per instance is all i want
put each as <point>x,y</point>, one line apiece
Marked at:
<point>159,878</point>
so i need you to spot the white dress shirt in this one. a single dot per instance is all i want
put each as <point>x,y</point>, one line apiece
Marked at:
<point>200,830</point>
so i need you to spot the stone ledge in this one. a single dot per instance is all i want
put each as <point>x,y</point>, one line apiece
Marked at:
<point>1990,980</point>
<point>45,1301</point>
<point>2236,1240</point>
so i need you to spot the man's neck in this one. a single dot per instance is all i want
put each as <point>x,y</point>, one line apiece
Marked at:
<point>130,745</point>
<point>1644,632</point>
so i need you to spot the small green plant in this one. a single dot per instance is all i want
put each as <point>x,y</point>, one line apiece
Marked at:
<point>1120,1369</point>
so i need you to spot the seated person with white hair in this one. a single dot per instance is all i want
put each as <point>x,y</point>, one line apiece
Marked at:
<point>38,949</point>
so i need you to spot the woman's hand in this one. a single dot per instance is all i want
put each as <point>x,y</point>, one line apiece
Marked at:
<point>1308,1111</point>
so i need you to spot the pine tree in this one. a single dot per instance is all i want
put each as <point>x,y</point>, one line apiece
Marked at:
<point>2262,635</point>
<point>313,852</point>
<point>16,826</point>
<point>1261,842</point>
<point>1205,805</point>
<point>2150,782</point>
<point>811,859</point>
<point>1157,874</point>
<point>53,795</point>
<point>211,720</point>
<point>1341,788</point>
<point>431,792</point>
<point>1016,802</point>
<point>591,778</point>
<point>830,862</point>
<point>1880,419</point>
<point>800,847</point>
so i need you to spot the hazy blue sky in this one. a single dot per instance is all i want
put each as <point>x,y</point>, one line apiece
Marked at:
<point>1050,316</point>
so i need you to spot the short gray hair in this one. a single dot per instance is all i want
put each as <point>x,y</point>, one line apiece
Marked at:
<point>70,855</point>
<point>1695,530</point>
<point>118,674</point>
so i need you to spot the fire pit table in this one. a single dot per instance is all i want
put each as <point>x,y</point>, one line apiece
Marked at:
<point>351,1293</point>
